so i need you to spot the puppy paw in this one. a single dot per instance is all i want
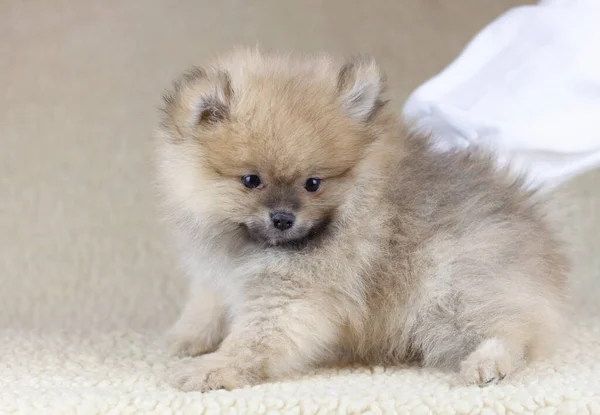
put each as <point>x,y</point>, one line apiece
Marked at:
<point>488,364</point>
<point>208,372</point>
<point>183,343</point>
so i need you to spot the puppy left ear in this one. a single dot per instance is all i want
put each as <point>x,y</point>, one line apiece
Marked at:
<point>198,101</point>
<point>360,85</point>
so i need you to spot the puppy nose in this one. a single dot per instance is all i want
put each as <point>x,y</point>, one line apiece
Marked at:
<point>283,220</point>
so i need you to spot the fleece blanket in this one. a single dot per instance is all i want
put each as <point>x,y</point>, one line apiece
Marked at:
<point>120,373</point>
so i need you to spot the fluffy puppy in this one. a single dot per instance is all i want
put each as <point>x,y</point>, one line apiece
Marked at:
<point>315,230</point>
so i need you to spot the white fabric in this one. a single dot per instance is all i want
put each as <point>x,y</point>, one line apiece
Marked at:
<point>122,373</point>
<point>527,87</point>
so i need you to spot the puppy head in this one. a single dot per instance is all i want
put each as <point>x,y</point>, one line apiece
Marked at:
<point>268,145</point>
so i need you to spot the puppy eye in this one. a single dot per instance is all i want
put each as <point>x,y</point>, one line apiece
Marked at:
<point>312,184</point>
<point>251,181</point>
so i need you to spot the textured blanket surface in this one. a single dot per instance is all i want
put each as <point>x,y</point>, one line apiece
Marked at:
<point>120,372</point>
<point>88,278</point>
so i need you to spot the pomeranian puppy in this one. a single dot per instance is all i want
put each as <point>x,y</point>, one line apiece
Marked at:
<point>315,231</point>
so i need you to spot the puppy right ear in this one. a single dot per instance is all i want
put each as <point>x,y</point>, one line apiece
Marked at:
<point>198,100</point>
<point>360,85</point>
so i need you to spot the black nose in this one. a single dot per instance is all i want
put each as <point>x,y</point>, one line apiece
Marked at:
<point>283,220</point>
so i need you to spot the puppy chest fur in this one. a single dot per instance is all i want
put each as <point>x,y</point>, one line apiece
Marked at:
<point>314,230</point>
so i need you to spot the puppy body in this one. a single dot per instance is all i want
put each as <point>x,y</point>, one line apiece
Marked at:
<point>402,254</point>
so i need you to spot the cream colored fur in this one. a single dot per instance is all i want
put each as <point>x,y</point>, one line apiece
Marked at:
<point>403,255</point>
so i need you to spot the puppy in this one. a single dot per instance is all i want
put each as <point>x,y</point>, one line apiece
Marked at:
<point>316,231</point>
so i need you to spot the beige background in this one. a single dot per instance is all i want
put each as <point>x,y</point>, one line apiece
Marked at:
<point>81,244</point>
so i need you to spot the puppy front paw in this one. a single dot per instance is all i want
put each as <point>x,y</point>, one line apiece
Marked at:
<point>491,362</point>
<point>183,343</point>
<point>210,372</point>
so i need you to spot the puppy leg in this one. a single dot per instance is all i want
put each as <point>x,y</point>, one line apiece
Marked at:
<point>264,344</point>
<point>200,326</point>
<point>490,362</point>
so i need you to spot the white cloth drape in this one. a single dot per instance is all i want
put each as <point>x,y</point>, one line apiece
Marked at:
<point>526,87</point>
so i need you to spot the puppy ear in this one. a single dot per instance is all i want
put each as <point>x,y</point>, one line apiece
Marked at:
<point>198,100</point>
<point>360,84</point>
